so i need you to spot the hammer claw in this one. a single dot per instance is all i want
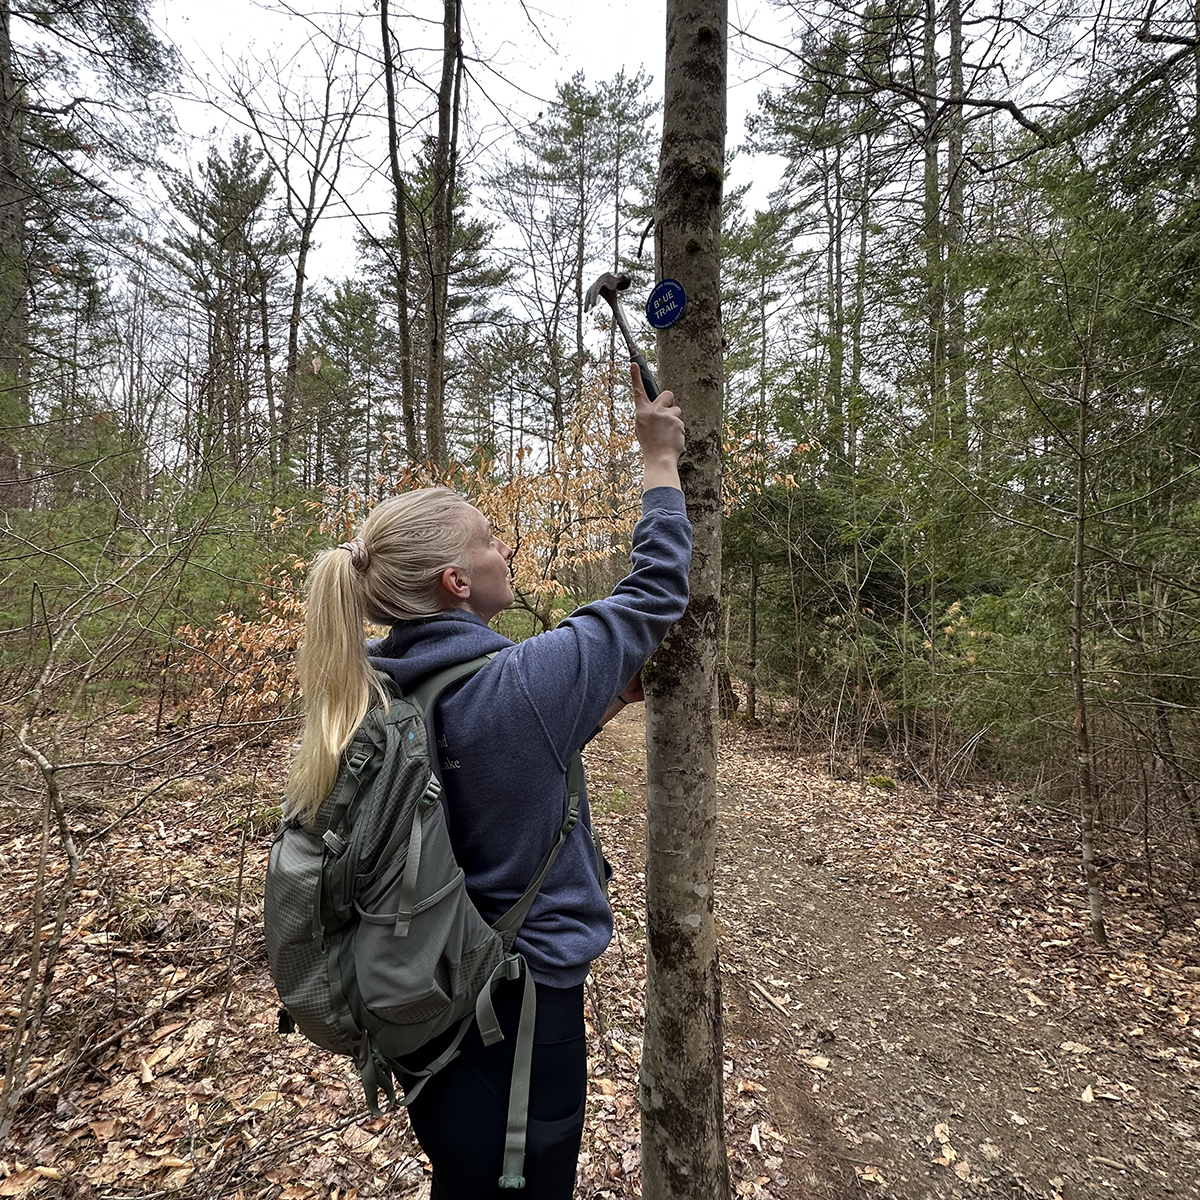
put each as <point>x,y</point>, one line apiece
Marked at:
<point>608,286</point>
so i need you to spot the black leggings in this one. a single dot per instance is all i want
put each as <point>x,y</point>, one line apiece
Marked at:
<point>461,1115</point>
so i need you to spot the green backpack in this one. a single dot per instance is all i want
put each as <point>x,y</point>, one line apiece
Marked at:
<point>374,945</point>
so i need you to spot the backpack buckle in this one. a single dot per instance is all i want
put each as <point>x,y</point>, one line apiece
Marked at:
<point>357,759</point>
<point>512,967</point>
<point>336,844</point>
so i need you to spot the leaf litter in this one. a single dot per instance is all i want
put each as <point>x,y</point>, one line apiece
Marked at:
<point>912,1007</point>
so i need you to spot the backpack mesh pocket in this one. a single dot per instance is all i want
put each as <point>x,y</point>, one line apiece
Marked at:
<point>391,799</point>
<point>299,963</point>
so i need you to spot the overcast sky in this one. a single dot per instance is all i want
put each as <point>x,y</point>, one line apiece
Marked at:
<point>528,48</point>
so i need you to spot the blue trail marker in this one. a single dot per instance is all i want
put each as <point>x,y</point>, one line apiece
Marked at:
<point>666,303</point>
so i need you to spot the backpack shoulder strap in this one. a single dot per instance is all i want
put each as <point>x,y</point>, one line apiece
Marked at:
<point>425,692</point>
<point>424,696</point>
<point>508,925</point>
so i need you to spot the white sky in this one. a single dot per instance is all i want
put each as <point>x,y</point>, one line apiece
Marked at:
<point>595,36</point>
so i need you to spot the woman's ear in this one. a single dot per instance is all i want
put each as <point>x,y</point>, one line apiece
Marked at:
<point>456,583</point>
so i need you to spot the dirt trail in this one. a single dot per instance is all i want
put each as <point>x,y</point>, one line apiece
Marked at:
<point>912,1006</point>
<point>917,1000</point>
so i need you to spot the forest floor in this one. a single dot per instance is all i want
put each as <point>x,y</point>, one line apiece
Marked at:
<point>913,1007</point>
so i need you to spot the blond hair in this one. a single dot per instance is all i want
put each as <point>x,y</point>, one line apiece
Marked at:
<point>409,540</point>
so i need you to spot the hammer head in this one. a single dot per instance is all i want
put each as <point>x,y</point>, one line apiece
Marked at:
<point>608,285</point>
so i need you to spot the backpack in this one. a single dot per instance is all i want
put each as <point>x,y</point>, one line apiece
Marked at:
<point>374,945</point>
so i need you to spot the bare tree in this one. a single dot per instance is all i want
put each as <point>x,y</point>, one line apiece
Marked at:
<point>683,1137</point>
<point>401,264</point>
<point>304,132</point>
<point>438,229</point>
<point>85,633</point>
<point>14,285</point>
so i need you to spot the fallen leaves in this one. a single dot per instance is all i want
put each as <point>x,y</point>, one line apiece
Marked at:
<point>194,1093</point>
<point>24,1179</point>
<point>947,1154</point>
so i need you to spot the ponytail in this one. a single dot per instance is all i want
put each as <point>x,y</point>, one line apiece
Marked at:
<point>390,572</point>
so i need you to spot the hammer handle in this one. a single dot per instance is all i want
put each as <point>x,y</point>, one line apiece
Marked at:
<point>648,380</point>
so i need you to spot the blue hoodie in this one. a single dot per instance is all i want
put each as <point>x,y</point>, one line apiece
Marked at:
<point>507,735</point>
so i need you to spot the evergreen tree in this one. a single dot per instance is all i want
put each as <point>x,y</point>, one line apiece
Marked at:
<point>60,143</point>
<point>229,247</point>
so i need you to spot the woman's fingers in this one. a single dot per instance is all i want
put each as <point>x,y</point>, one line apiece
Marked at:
<point>639,388</point>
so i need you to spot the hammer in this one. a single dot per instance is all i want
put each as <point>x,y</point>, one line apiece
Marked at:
<point>608,286</point>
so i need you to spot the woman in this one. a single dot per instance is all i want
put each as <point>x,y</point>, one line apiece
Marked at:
<point>428,564</point>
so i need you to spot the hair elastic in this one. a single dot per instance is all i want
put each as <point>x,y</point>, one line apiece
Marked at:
<point>359,557</point>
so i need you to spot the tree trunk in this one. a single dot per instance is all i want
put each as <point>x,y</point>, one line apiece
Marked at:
<point>935,300</point>
<point>956,309</point>
<point>287,408</point>
<point>836,427</point>
<point>1088,799</point>
<point>14,282</point>
<point>580,263</point>
<point>752,637</point>
<point>1165,748</point>
<point>862,265</point>
<point>935,344</point>
<point>683,1136</point>
<point>439,242</point>
<point>264,326</point>
<point>401,261</point>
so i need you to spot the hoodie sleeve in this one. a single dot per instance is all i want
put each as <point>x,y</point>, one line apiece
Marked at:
<point>571,674</point>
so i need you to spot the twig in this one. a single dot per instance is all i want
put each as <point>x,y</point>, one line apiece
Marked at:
<point>601,1027</point>
<point>91,1051</point>
<point>237,916</point>
<point>767,995</point>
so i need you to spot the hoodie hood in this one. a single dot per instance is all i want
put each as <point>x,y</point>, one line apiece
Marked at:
<point>414,649</point>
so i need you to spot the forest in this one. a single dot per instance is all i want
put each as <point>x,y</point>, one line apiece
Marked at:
<point>960,470</point>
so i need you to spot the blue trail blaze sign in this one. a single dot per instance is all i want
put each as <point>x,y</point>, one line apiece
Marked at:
<point>665,305</point>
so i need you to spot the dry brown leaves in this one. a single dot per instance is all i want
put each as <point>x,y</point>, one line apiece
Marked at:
<point>195,1093</point>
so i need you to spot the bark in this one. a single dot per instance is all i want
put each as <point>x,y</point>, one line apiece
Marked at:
<point>854,404</point>
<point>935,712</point>
<point>935,315</point>
<point>683,1139</point>
<point>752,649</point>
<point>798,601</point>
<point>439,241</point>
<point>1165,748</point>
<point>835,399</point>
<point>935,340</point>
<point>402,261</point>
<point>287,413</point>
<point>1088,796</point>
<point>955,299</point>
<point>264,326</point>
<point>14,289</point>
<point>580,264</point>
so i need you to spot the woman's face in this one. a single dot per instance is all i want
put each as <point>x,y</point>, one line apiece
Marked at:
<point>491,588</point>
